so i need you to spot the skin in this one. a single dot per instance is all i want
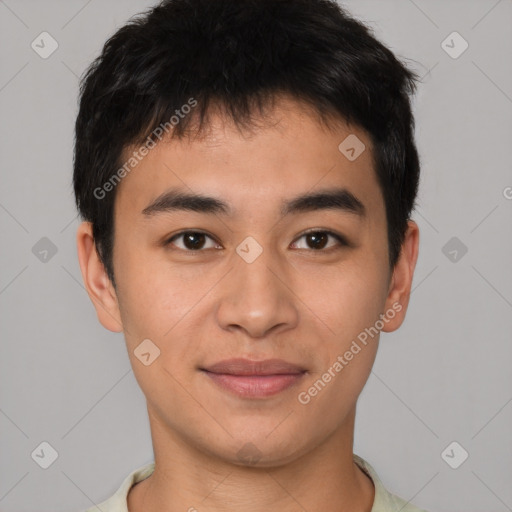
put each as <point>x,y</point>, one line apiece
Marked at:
<point>296,302</point>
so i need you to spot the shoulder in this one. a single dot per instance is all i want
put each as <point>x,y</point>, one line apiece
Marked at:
<point>400,505</point>
<point>384,501</point>
<point>118,501</point>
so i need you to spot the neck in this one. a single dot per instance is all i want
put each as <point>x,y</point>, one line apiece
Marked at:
<point>187,479</point>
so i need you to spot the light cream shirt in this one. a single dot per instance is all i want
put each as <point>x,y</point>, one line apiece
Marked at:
<point>384,501</point>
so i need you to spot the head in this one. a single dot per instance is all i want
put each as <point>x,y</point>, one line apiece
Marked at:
<point>211,131</point>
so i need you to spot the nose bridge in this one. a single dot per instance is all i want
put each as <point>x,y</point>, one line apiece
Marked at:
<point>256,298</point>
<point>256,269</point>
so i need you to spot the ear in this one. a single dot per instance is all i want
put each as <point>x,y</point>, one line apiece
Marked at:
<point>401,281</point>
<point>98,285</point>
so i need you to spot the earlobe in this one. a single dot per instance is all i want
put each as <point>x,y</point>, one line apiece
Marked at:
<point>400,289</point>
<point>96,281</point>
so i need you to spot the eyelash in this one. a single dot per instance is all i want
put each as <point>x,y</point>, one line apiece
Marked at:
<point>342,242</point>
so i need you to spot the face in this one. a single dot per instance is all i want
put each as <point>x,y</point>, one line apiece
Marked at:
<point>256,274</point>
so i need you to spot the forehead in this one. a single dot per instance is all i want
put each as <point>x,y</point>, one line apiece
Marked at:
<point>283,155</point>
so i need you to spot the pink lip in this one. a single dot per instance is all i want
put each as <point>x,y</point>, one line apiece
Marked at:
<point>254,379</point>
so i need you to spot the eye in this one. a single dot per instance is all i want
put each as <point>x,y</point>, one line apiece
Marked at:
<point>318,240</point>
<point>192,240</point>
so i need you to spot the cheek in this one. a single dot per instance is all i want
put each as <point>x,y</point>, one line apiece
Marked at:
<point>348,303</point>
<point>347,298</point>
<point>158,308</point>
<point>153,304</point>
<point>152,295</point>
<point>167,305</point>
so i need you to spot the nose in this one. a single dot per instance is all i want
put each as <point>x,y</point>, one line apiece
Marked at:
<point>258,298</point>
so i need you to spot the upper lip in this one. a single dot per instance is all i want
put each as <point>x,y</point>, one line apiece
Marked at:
<point>240,366</point>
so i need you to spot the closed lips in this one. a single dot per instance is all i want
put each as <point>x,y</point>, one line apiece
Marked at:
<point>247,367</point>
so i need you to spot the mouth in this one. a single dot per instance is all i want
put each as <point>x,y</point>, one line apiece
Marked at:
<point>254,379</point>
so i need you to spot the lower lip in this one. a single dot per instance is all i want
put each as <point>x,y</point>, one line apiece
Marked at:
<point>254,386</point>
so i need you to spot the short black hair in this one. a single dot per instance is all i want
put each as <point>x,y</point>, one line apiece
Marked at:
<point>240,55</point>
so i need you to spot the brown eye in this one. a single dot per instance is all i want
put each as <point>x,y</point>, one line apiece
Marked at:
<point>318,240</point>
<point>195,241</point>
<point>192,240</point>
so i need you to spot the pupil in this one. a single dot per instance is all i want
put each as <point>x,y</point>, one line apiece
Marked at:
<point>189,240</point>
<point>315,237</point>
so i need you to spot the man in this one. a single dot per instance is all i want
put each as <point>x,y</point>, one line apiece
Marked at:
<point>246,172</point>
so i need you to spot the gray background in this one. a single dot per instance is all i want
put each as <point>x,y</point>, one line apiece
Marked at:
<point>443,377</point>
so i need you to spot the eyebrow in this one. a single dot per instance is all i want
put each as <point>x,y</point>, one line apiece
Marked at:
<point>339,199</point>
